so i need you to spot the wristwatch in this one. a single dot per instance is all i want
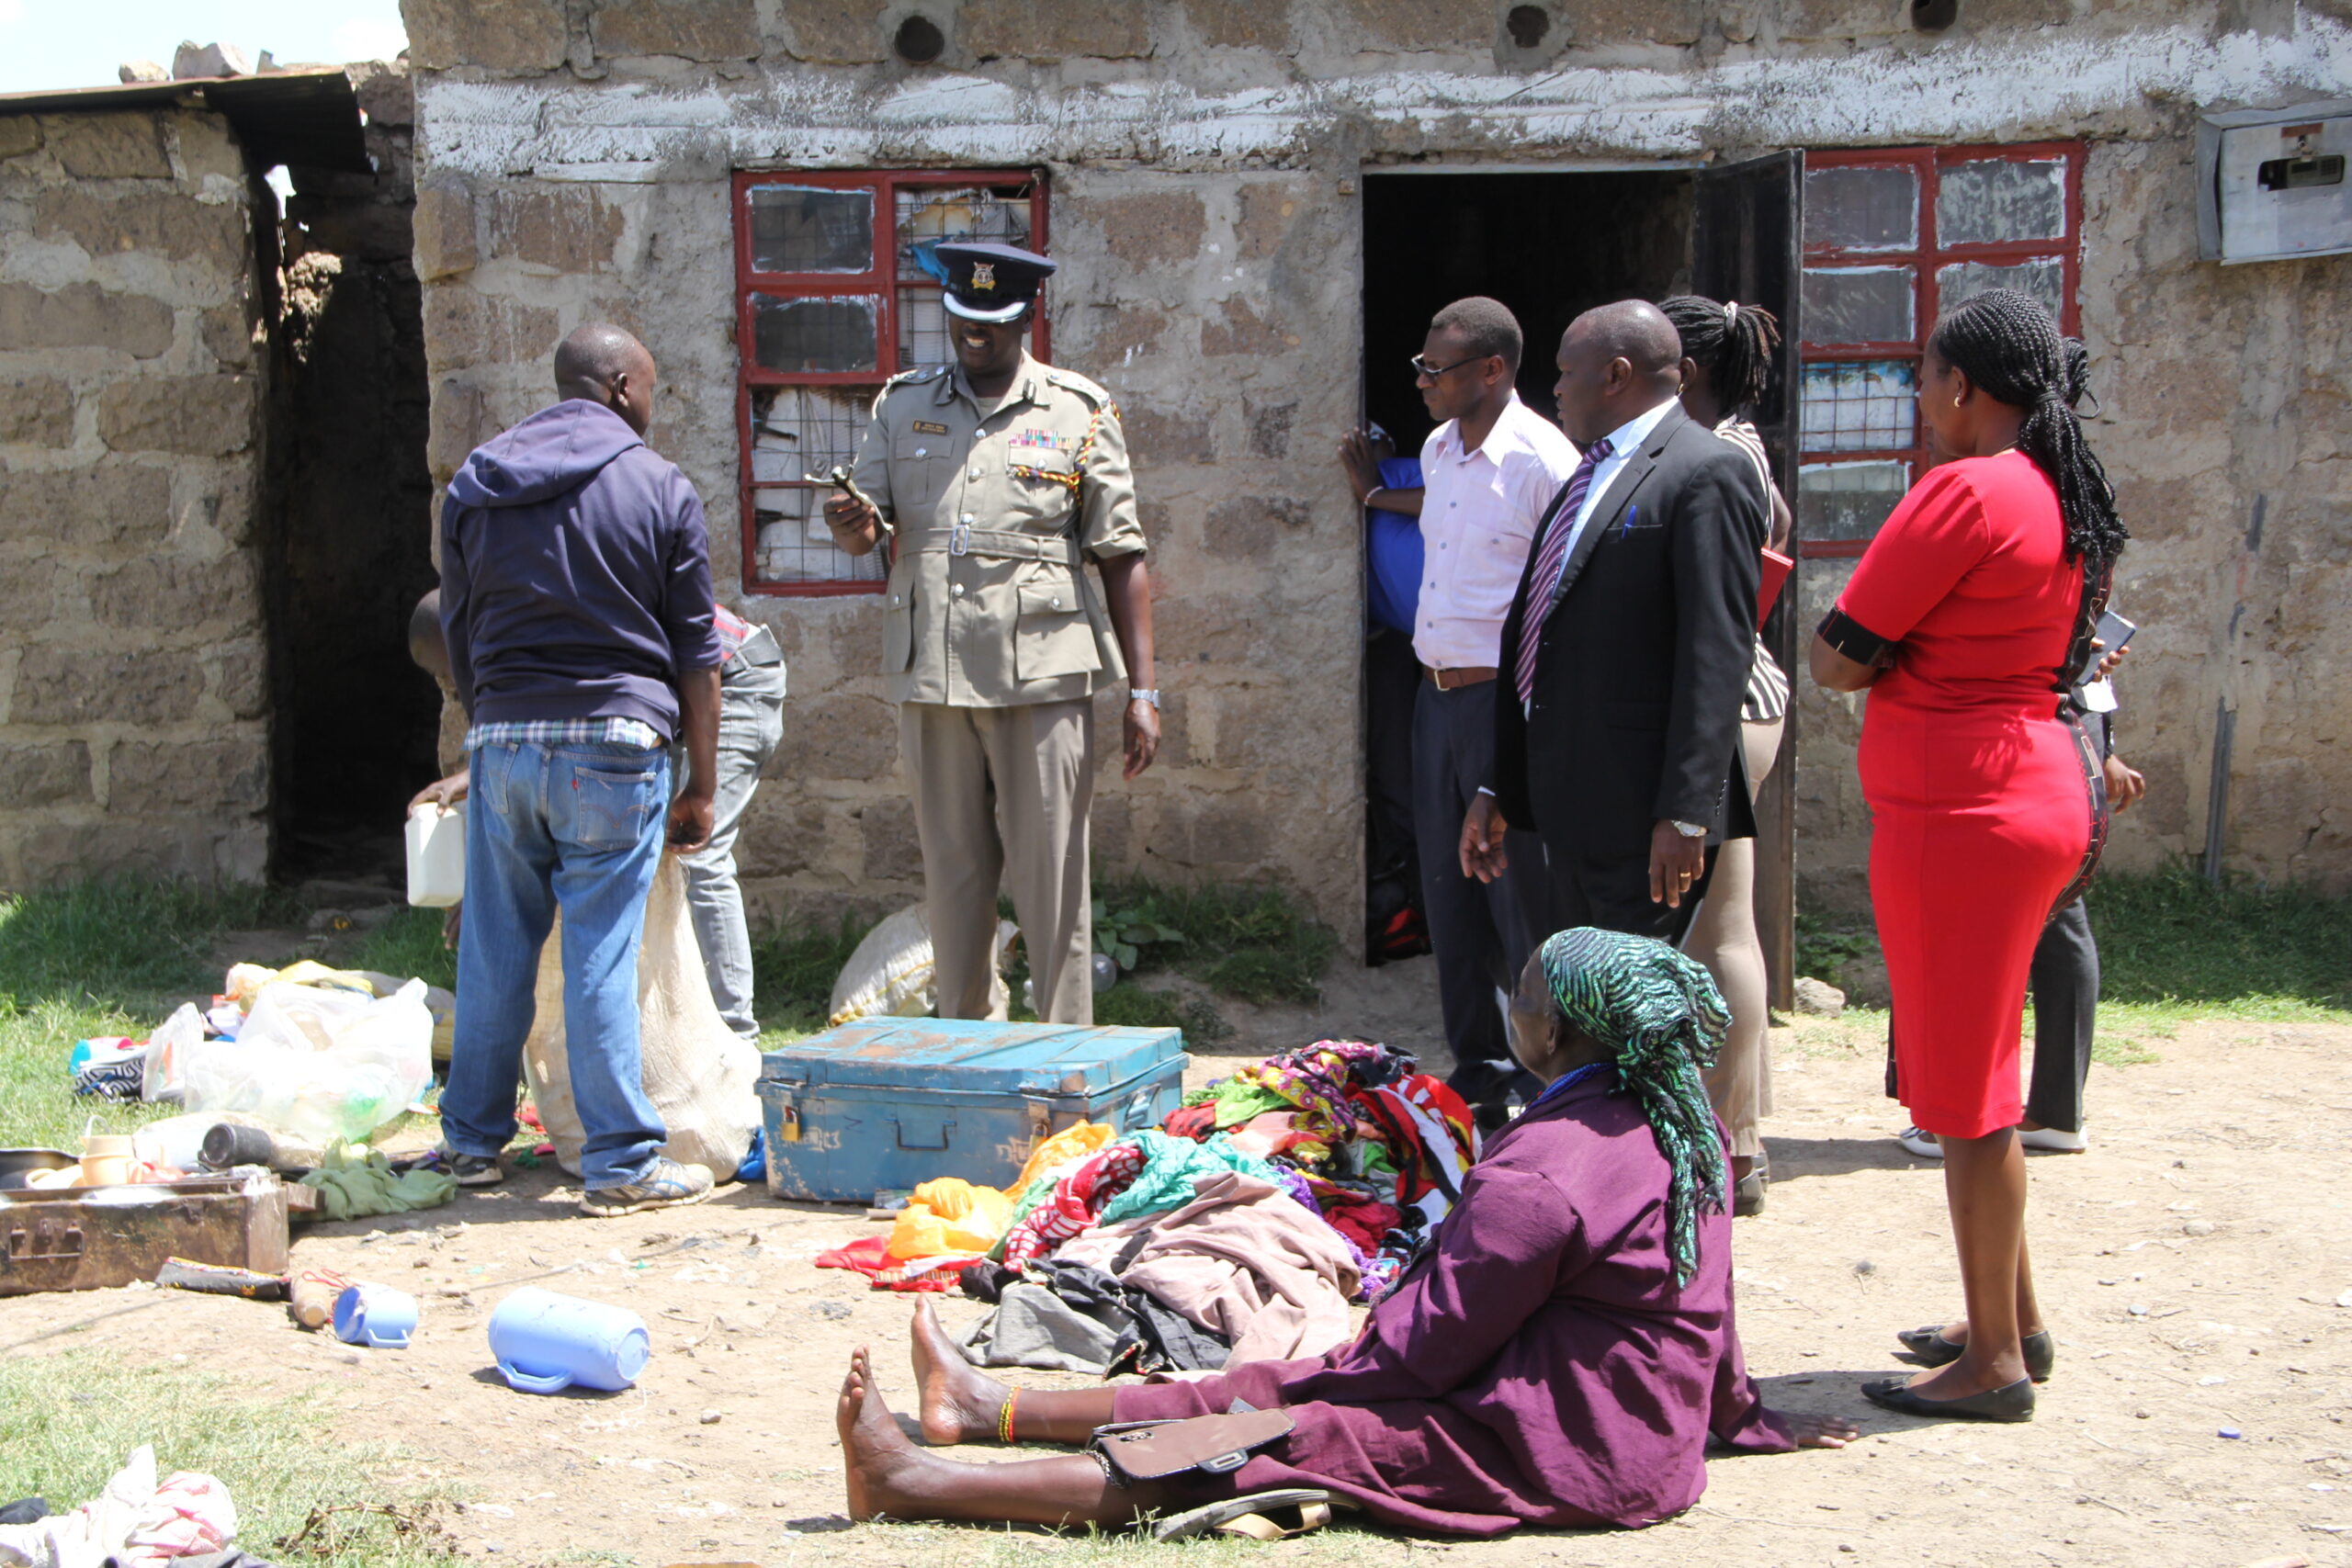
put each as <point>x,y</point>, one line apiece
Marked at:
<point>1692,829</point>
<point>1138,694</point>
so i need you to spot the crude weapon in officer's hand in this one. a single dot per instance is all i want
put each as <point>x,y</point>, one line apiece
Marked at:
<point>838,477</point>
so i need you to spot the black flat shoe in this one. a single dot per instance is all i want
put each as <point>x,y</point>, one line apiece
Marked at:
<point>1934,1350</point>
<point>2013,1402</point>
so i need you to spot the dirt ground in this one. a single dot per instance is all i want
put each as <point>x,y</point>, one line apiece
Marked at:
<point>2197,1265</point>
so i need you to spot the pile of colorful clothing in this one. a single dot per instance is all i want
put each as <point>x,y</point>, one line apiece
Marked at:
<point>1242,1227</point>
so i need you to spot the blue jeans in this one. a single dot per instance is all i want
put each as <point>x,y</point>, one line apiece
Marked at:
<point>751,728</point>
<point>580,827</point>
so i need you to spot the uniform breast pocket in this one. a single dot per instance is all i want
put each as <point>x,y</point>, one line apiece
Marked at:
<point>1051,633</point>
<point>1043,483</point>
<point>920,463</point>
<point>897,633</point>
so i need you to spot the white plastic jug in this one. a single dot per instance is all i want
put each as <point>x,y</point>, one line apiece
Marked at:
<point>436,855</point>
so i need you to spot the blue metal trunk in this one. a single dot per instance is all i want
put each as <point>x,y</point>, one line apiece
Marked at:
<point>886,1104</point>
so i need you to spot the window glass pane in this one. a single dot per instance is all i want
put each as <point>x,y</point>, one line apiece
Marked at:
<point>2044,278</point>
<point>1847,500</point>
<point>816,336</point>
<point>1859,304</point>
<point>806,228</point>
<point>1999,201</point>
<point>1870,207</point>
<point>1868,407</point>
<point>797,431</point>
<point>927,214</point>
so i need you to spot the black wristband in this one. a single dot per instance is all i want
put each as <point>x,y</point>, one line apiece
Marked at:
<point>1856,642</point>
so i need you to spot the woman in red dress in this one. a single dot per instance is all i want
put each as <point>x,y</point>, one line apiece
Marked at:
<point>1970,616</point>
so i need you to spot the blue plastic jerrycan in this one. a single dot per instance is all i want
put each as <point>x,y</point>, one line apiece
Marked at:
<point>545,1343</point>
<point>375,1316</point>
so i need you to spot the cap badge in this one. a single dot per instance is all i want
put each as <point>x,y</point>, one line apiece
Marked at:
<point>984,275</point>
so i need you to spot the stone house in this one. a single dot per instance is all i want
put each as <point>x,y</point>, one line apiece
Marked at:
<point>1257,204</point>
<point>209,497</point>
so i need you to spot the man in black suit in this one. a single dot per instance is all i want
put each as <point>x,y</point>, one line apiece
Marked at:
<point>1629,645</point>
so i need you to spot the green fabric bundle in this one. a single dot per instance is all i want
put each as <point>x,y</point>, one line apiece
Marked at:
<point>357,1183</point>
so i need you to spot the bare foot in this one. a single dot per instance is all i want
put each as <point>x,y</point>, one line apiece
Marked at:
<point>1823,1431</point>
<point>875,1456</point>
<point>957,1402</point>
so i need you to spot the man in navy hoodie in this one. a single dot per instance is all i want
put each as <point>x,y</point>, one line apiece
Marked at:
<point>575,599</point>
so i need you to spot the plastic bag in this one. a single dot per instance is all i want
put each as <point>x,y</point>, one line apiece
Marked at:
<point>697,1072</point>
<point>949,1214</point>
<point>890,975</point>
<point>164,1072</point>
<point>325,1066</point>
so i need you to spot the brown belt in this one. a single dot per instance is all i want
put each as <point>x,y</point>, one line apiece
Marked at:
<point>1454,680</point>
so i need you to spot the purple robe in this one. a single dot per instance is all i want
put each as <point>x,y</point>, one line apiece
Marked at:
<point>1540,1368</point>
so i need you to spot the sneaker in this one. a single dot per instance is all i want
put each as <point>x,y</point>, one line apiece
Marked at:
<point>2053,1140</point>
<point>471,1170</point>
<point>1924,1145</point>
<point>666,1186</point>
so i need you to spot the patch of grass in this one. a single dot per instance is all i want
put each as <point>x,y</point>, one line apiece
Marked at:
<point>1826,943</point>
<point>792,970</point>
<point>103,958</point>
<point>408,944</point>
<point>2120,1051</point>
<point>1130,1004</point>
<point>74,1418</point>
<point>1252,943</point>
<point>2169,938</point>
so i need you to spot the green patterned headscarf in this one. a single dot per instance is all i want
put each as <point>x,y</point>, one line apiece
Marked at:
<point>1662,1019</point>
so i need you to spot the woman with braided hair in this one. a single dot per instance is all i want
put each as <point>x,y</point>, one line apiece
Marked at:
<point>1727,352</point>
<point>1968,621</point>
<point>1560,1357</point>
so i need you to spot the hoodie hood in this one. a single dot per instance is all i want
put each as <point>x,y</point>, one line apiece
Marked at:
<point>555,450</point>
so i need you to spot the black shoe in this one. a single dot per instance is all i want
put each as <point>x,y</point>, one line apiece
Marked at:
<point>2012,1402</point>
<point>1748,1195</point>
<point>1934,1350</point>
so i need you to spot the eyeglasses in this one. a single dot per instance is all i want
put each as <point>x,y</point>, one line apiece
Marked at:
<point>1422,367</point>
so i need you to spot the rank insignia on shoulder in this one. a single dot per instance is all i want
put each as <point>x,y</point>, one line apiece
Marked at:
<point>925,427</point>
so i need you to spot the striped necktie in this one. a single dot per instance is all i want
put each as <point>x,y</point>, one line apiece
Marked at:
<point>1550,561</point>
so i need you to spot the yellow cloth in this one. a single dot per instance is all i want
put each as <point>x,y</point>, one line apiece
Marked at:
<point>951,1214</point>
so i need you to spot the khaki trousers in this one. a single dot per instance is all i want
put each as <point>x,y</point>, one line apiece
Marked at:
<point>1001,797</point>
<point>1724,939</point>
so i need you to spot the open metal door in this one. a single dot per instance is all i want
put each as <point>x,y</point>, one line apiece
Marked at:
<point>1747,244</point>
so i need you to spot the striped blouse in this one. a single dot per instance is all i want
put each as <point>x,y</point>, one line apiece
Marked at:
<point>1768,685</point>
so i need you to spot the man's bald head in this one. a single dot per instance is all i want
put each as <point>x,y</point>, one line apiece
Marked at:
<point>1617,362</point>
<point>599,363</point>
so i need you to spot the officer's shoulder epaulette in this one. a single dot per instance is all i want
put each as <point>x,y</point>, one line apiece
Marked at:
<point>913,377</point>
<point>1091,391</point>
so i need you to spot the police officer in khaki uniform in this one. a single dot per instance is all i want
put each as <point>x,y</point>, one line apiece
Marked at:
<point>998,478</point>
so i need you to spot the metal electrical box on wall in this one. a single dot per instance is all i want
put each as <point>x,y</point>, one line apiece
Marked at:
<point>2271,183</point>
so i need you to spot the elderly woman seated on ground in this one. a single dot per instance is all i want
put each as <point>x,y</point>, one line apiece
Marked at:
<point>1560,1359</point>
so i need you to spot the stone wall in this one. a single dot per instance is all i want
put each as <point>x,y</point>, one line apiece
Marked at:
<point>133,690</point>
<point>1205,159</point>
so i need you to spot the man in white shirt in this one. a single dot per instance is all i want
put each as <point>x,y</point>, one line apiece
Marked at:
<point>1489,470</point>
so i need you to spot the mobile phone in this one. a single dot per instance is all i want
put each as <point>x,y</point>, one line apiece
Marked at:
<point>2113,630</point>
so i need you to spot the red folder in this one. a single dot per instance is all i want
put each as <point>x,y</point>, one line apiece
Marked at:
<point>1777,568</point>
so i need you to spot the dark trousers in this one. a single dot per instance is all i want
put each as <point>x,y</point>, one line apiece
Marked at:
<point>1613,892</point>
<point>2065,1011</point>
<point>1391,675</point>
<point>1481,932</point>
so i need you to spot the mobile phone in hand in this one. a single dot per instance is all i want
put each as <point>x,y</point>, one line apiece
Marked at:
<point>2113,630</point>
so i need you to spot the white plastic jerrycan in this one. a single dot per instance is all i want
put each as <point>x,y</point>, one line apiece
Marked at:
<point>436,854</point>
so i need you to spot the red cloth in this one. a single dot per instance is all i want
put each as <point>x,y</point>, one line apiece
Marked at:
<point>1358,1218</point>
<point>870,1256</point>
<point>1540,1368</point>
<point>1076,1200</point>
<point>1193,1122</point>
<point>1980,811</point>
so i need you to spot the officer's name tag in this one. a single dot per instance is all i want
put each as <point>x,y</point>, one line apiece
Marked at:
<point>925,427</point>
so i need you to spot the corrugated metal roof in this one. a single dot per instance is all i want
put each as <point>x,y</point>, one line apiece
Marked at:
<point>306,116</point>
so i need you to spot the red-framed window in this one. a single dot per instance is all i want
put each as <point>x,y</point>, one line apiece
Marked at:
<point>1894,237</point>
<point>837,291</point>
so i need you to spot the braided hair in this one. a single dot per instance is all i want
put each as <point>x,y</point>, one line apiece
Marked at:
<point>1661,1020</point>
<point>1734,343</point>
<point>2006,342</point>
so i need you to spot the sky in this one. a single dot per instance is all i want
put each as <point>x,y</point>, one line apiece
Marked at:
<point>61,43</point>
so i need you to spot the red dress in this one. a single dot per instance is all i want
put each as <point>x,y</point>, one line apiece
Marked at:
<point>1981,814</point>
